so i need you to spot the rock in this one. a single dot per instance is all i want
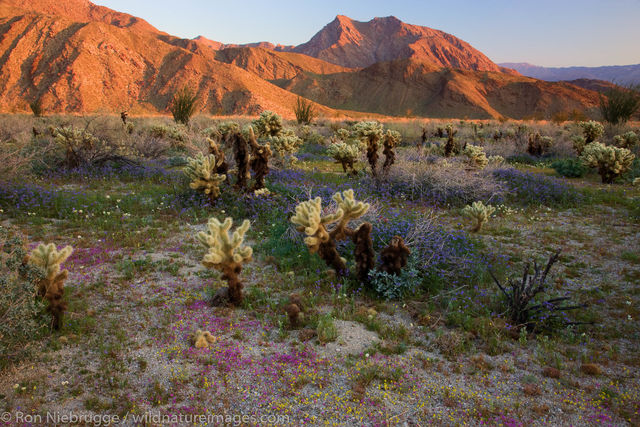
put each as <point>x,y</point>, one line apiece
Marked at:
<point>221,297</point>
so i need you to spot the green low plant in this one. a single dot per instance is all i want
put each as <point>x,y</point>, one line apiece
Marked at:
<point>395,286</point>
<point>326,329</point>
<point>571,168</point>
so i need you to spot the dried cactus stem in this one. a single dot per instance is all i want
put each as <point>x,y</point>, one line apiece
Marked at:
<point>241,154</point>
<point>230,273</point>
<point>372,156</point>
<point>259,160</point>
<point>329,254</point>
<point>364,255</point>
<point>395,256</point>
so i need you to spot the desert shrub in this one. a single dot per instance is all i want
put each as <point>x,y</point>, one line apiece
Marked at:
<point>183,105</point>
<point>480,213</point>
<point>571,168</point>
<point>392,286</point>
<point>526,306</point>
<point>627,140</point>
<point>611,162</point>
<point>268,124</point>
<point>80,147</point>
<point>439,181</point>
<point>532,189</point>
<point>619,104</point>
<point>21,309</point>
<point>476,155</point>
<point>304,111</point>
<point>175,133</point>
<point>495,160</point>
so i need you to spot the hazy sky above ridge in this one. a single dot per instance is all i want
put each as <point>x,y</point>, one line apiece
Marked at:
<point>545,32</point>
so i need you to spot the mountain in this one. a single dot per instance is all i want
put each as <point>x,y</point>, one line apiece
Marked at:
<point>413,87</point>
<point>75,56</point>
<point>619,74</point>
<point>360,44</point>
<point>99,60</point>
<point>274,65</point>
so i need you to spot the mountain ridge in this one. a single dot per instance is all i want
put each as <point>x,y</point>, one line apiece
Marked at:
<point>94,59</point>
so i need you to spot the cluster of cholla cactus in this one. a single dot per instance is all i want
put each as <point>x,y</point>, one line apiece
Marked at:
<point>591,131</point>
<point>324,231</point>
<point>247,151</point>
<point>479,213</point>
<point>626,140</point>
<point>283,141</point>
<point>539,145</point>
<point>476,155</point>
<point>611,162</point>
<point>372,136</point>
<point>203,172</point>
<point>370,133</point>
<point>496,160</point>
<point>51,286</point>
<point>227,253</point>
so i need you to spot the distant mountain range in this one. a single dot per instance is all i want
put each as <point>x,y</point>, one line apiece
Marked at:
<point>75,56</point>
<point>619,74</point>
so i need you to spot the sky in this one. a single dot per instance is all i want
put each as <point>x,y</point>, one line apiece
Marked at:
<point>556,33</point>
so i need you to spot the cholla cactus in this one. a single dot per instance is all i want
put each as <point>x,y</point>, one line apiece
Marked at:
<point>451,148</point>
<point>478,212</point>
<point>227,253</point>
<point>268,124</point>
<point>202,339</point>
<point>345,154</point>
<point>201,170</point>
<point>370,133</point>
<point>538,145</point>
<point>75,142</point>
<point>592,130</point>
<point>495,160</point>
<point>285,145</point>
<point>260,154</point>
<point>51,287</point>
<point>626,140</point>
<point>610,161</point>
<point>226,129</point>
<point>477,156</point>
<point>578,142</point>
<point>391,139</point>
<point>310,220</point>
